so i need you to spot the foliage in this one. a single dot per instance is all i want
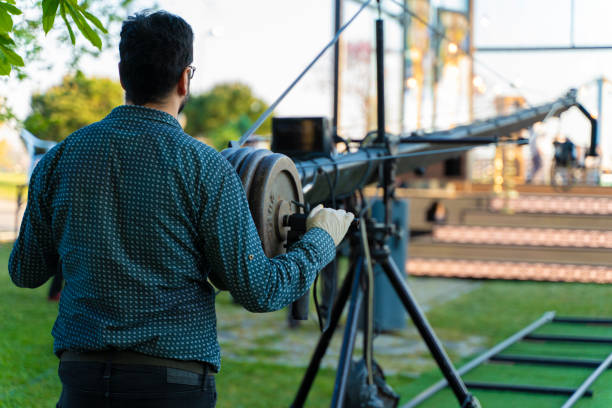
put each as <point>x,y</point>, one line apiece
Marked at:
<point>22,35</point>
<point>76,102</point>
<point>224,113</point>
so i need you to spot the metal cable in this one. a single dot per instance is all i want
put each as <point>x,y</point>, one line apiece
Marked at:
<point>269,111</point>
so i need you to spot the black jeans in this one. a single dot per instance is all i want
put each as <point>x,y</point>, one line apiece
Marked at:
<point>111,385</point>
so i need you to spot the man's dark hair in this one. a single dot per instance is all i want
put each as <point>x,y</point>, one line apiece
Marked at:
<point>155,49</point>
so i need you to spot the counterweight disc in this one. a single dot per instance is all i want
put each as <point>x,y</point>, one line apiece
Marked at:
<point>275,187</point>
<point>272,185</point>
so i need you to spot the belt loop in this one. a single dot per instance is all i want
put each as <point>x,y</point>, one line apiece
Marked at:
<point>106,377</point>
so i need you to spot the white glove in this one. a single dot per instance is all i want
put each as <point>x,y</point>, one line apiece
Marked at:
<point>335,222</point>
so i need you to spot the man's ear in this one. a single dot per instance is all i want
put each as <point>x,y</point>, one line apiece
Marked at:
<point>120,80</point>
<point>182,87</point>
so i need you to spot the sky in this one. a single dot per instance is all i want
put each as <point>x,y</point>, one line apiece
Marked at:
<point>267,43</point>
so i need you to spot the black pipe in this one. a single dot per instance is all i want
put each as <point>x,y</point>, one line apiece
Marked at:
<point>348,341</point>
<point>594,124</point>
<point>569,339</point>
<point>470,140</point>
<point>552,361</point>
<point>337,22</point>
<point>380,79</point>
<point>584,320</point>
<point>525,388</point>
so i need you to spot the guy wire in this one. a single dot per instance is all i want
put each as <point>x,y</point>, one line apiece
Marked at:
<point>269,111</point>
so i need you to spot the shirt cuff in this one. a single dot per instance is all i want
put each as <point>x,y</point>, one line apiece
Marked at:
<point>324,243</point>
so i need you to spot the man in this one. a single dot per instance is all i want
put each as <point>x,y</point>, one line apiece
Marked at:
<point>137,214</point>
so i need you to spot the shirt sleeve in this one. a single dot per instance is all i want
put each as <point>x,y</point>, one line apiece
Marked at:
<point>34,258</point>
<point>235,256</point>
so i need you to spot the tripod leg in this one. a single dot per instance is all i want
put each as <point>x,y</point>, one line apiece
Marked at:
<point>317,356</point>
<point>427,333</point>
<point>348,342</point>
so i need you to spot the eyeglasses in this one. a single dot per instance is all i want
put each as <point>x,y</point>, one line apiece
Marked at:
<point>192,70</point>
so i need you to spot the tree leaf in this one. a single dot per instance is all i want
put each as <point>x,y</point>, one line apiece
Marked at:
<point>5,65</point>
<point>6,22</point>
<point>49,12</point>
<point>94,20</point>
<point>11,56</point>
<point>5,68</point>
<point>83,27</point>
<point>5,39</point>
<point>10,8</point>
<point>63,14</point>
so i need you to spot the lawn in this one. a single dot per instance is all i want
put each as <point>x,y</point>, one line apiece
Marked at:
<point>492,312</point>
<point>9,183</point>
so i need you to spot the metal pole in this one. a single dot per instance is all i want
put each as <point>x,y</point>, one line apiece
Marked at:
<point>573,8</point>
<point>600,83</point>
<point>585,385</point>
<point>546,318</point>
<point>405,59</point>
<point>542,48</point>
<point>348,341</point>
<point>380,79</point>
<point>594,129</point>
<point>471,58</point>
<point>337,66</point>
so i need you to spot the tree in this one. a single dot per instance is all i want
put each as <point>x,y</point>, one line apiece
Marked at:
<point>76,102</point>
<point>224,113</point>
<point>22,35</point>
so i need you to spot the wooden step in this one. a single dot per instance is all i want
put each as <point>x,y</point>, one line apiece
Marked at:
<point>553,204</point>
<point>425,247</point>
<point>479,269</point>
<point>525,236</point>
<point>489,218</point>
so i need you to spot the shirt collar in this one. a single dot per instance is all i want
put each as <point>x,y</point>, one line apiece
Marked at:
<point>142,112</point>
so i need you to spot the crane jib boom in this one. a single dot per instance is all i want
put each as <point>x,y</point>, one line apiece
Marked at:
<point>340,175</point>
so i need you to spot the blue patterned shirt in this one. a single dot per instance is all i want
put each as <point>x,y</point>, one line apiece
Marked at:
<point>137,213</point>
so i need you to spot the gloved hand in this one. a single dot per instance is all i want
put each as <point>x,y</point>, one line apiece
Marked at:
<point>335,222</point>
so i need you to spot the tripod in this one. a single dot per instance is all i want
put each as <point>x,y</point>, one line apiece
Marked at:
<point>378,234</point>
<point>375,235</point>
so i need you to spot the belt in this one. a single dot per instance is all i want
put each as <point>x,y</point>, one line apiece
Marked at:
<point>130,357</point>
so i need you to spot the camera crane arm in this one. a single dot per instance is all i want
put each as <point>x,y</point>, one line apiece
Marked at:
<point>352,171</point>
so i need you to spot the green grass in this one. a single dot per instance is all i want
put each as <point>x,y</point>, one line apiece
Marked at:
<point>499,308</point>
<point>494,311</point>
<point>9,183</point>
